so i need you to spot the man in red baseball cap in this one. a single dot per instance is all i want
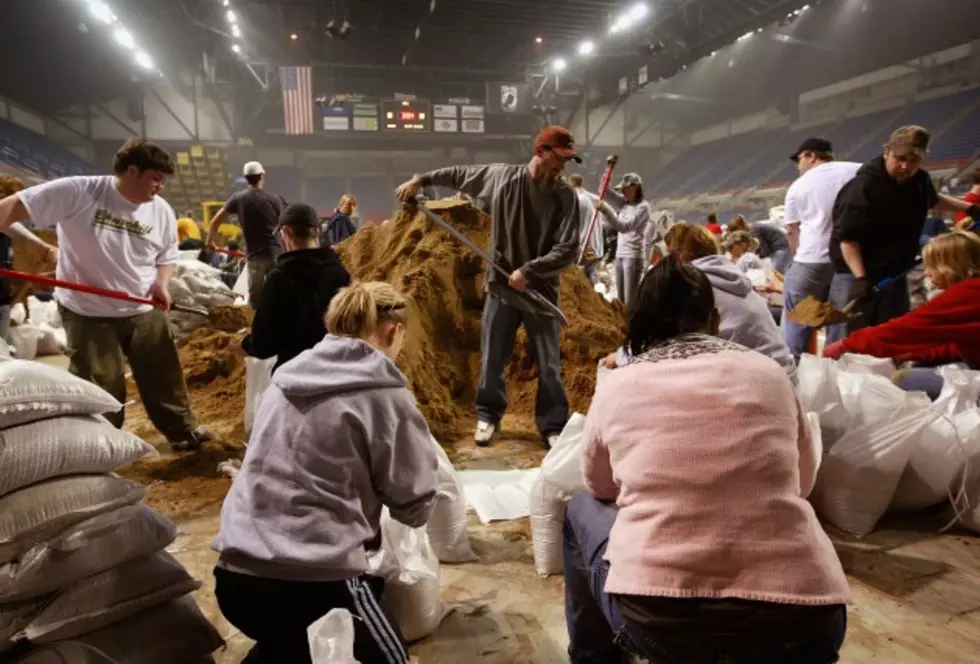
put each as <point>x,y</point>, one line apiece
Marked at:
<point>535,235</point>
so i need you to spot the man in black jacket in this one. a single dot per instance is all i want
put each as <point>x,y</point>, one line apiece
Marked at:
<point>297,292</point>
<point>878,219</point>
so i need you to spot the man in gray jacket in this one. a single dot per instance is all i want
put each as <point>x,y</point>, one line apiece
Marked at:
<point>534,235</point>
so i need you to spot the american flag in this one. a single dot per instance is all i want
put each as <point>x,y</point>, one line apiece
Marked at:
<point>297,99</point>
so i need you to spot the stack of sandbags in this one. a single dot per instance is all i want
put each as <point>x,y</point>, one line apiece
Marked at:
<point>196,284</point>
<point>83,572</point>
<point>870,429</point>
<point>447,527</point>
<point>37,330</point>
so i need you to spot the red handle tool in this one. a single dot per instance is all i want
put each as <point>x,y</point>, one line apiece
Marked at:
<point>93,290</point>
<point>611,161</point>
<point>229,252</point>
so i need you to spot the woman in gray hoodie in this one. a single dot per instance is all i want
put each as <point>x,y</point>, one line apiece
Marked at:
<point>336,438</point>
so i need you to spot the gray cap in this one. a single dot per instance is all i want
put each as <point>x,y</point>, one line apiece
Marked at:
<point>629,180</point>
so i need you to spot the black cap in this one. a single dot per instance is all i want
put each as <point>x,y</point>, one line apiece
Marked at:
<point>299,215</point>
<point>818,145</point>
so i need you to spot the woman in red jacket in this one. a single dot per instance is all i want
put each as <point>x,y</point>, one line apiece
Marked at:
<point>945,330</point>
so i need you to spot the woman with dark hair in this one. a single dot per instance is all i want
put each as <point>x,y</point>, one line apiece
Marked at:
<point>634,245</point>
<point>693,541</point>
<point>297,292</point>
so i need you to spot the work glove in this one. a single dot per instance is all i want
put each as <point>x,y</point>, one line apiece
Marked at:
<point>862,290</point>
<point>834,351</point>
<point>973,213</point>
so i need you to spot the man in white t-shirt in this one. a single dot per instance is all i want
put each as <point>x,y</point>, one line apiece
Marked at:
<point>587,202</point>
<point>809,222</point>
<point>115,232</point>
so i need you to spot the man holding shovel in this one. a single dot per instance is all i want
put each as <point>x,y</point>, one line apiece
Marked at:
<point>116,233</point>
<point>534,235</point>
<point>878,220</point>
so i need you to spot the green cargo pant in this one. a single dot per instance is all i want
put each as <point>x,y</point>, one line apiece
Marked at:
<point>96,351</point>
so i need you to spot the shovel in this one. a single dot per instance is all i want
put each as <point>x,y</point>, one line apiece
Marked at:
<point>848,308</point>
<point>535,299</point>
<point>93,290</point>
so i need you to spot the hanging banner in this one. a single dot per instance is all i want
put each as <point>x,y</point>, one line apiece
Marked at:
<point>508,97</point>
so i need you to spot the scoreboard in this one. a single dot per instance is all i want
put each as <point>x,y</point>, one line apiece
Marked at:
<point>406,116</point>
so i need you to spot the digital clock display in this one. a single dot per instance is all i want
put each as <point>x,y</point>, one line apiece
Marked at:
<point>406,116</point>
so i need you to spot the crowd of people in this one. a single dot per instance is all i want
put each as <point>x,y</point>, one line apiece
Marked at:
<point>693,540</point>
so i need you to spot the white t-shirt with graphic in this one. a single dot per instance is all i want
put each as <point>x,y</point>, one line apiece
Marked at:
<point>104,240</point>
<point>810,203</point>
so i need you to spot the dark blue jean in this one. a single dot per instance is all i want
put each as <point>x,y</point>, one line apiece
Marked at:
<point>598,634</point>
<point>882,306</point>
<point>500,324</point>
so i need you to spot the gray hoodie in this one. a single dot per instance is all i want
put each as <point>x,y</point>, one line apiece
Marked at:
<point>336,437</point>
<point>745,317</point>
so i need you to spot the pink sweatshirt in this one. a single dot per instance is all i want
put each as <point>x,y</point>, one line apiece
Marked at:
<point>704,448</point>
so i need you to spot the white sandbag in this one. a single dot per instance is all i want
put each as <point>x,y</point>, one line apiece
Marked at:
<point>173,632</point>
<point>410,569</point>
<point>42,511</point>
<point>4,349</point>
<point>947,448</point>
<point>16,616</point>
<point>560,479</point>
<point>70,445</point>
<point>819,393</point>
<point>31,391</point>
<point>87,548</point>
<point>961,390</point>
<point>332,638</point>
<point>178,289</point>
<point>43,313</point>
<point>258,375</point>
<point>24,339</point>
<point>49,342</point>
<point>193,266</point>
<point>18,314</point>
<point>447,527</point>
<point>241,284</point>
<point>853,363</point>
<point>198,284</point>
<point>860,472</point>
<point>106,598</point>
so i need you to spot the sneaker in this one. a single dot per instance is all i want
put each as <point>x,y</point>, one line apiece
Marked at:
<point>193,442</point>
<point>485,433</point>
<point>551,440</point>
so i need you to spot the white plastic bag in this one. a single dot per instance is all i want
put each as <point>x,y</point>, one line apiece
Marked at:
<point>819,393</point>
<point>410,569</point>
<point>18,314</point>
<point>961,390</point>
<point>51,340</point>
<point>861,471</point>
<point>24,339</point>
<point>560,478</point>
<point>447,527</point>
<point>258,375</point>
<point>332,638</point>
<point>853,363</point>
<point>43,313</point>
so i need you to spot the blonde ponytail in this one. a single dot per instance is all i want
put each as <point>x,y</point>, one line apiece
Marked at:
<point>359,309</point>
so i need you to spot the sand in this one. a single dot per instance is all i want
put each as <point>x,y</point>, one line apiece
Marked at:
<point>814,313</point>
<point>441,358</point>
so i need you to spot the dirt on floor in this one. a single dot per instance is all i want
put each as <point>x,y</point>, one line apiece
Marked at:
<point>441,359</point>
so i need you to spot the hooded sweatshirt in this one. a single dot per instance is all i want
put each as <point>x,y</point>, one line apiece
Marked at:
<point>745,316</point>
<point>884,217</point>
<point>336,437</point>
<point>296,296</point>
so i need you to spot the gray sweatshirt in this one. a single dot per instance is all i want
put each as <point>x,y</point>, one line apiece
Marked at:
<point>336,437</point>
<point>634,226</point>
<point>531,230</point>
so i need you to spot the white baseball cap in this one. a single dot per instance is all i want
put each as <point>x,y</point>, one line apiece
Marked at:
<point>254,168</point>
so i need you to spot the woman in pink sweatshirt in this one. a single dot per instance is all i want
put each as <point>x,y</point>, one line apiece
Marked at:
<point>694,541</point>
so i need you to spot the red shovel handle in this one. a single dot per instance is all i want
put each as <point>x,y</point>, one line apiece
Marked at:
<point>611,162</point>
<point>58,283</point>
<point>229,252</point>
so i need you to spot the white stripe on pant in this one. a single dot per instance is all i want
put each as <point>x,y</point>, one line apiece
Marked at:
<point>376,622</point>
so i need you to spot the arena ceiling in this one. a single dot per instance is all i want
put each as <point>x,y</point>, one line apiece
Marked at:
<point>56,54</point>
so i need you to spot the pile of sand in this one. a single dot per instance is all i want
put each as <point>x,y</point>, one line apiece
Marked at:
<point>814,313</point>
<point>230,318</point>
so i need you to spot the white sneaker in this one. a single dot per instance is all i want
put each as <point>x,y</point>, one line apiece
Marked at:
<point>485,433</point>
<point>552,440</point>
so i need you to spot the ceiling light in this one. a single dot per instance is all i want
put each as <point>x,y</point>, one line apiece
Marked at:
<point>418,31</point>
<point>559,64</point>
<point>236,31</point>
<point>759,30</point>
<point>639,11</point>
<point>225,3</point>
<point>616,27</point>
<point>101,11</point>
<point>432,7</point>
<point>143,60</point>
<point>231,16</point>
<point>586,47</point>
<point>747,35</point>
<point>236,48</point>
<point>714,53</point>
<point>124,38</point>
<point>294,36</point>
<point>538,40</point>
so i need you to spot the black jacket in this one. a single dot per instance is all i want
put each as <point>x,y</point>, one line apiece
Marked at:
<point>337,228</point>
<point>885,218</point>
<point>294,300</point>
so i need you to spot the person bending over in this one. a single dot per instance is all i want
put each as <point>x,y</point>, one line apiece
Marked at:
<point>535,235</point>
<point>693,540</point>
<point>944,330</point>
<point>290,318</point>
<point>741,246</point>
<point>336,437</point>
<point>116,232</point>
<point>745,315</point>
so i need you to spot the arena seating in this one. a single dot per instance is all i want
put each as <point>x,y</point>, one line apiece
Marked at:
<point>22,148</point>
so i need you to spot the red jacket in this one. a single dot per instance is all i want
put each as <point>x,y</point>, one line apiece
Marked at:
<point>714,228</point>
<point>945,329</point>
<point>973,199</point>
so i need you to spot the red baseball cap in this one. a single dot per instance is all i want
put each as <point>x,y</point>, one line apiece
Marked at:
<point>559,140</point>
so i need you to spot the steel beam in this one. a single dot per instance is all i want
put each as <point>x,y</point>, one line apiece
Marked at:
<point>190,132</point>
<point>213,93</point>
<point>647,127</point>
<point>612,112</point>
<point>109,114</point>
